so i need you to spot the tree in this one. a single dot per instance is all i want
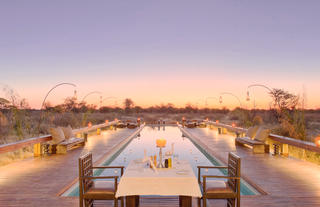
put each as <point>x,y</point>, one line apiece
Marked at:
<point>290,117</point>
<point>128,104</point>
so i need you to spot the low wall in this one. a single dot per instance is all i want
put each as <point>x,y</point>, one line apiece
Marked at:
<point>36,141</point>
<point>303,150</point>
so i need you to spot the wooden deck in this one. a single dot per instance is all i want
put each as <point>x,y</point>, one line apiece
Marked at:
<point>39,181</point>
<point>286,181</point>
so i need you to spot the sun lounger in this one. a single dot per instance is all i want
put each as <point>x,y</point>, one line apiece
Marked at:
<point>63,140</point>
<point>255,137</point>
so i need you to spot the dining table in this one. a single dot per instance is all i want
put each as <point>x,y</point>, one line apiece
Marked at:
<point>141,180</point>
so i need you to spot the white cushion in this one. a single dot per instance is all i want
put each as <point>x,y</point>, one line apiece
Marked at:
<point>262,134</point>
<point>57,135</point>
<point>68,133</point>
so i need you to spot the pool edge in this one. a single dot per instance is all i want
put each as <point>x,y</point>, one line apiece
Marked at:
<point>220,159</point>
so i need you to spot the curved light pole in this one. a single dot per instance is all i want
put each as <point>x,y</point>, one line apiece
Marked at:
<point>210,98</point>
<point>45,98</point>
<point>228,93</point>
<point>109,97</point>
<point>256,85</point>
<point>93,92</point>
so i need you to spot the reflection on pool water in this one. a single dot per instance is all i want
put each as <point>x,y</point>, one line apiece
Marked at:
<point>184,149</point>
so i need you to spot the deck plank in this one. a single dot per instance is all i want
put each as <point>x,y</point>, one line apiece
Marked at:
<point>38,181</point>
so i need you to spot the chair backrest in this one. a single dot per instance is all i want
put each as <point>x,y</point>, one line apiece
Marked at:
<point>85,169</point>
<point>234,163</point>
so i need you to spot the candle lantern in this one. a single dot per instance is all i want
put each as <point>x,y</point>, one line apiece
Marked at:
<point>138,121</point>
<point>183,121</point>
<point>161,143</point>
<point>317,141</point>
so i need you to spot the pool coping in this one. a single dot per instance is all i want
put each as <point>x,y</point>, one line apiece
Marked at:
<point>222,160</point>
<point>101,160</point>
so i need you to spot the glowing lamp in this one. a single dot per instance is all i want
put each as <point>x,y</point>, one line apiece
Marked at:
<point>217,121</point>
<point>317,141</point>
<point>107,121</point>
<point>233,124</point>
<point>161,142</point>
<point>207,119</point>
<point>248,96</point>
<point>115,119</point>
<point>138,119</point>
<point>89,124</point>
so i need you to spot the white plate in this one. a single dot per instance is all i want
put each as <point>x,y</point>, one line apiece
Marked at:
<point>138,161</point>
<point>182,172</point>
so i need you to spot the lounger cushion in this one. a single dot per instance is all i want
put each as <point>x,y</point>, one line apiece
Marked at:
<point>219,188</point>
<point>57,135</point>
<point>68,133</point>
<point>262,134</point>
<point>252,131</point>
<point>100,190</point>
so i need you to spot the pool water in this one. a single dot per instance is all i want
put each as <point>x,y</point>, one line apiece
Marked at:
<point>184,149</point>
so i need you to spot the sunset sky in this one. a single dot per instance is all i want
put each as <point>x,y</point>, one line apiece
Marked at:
<point>156,52</point>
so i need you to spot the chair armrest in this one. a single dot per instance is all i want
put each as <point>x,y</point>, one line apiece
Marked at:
<point>200,167</point>
<point>99,177</point>
<point>97,167</point>
<point>106,167</point>
<point>219,176</point>
<point>212,166</point>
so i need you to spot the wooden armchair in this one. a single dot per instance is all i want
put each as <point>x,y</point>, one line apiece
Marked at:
<point>89,189</point>
<point>219,189</point>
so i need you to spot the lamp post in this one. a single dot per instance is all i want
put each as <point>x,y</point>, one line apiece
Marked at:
<point>256,85</point>
<point>208,99</point>
<point>45,98</point>
<point>231,94</point>
<point>109,97</point>
<point>93,92</point>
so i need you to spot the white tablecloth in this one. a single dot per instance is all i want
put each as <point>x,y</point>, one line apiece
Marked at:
<point>139,180</point>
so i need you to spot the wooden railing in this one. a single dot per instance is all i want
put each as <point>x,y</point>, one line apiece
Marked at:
<point>38,140</point>
<point>276,138</point>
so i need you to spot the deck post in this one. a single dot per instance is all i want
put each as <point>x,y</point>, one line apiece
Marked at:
<point>285,150</point>
<point>37,150</point>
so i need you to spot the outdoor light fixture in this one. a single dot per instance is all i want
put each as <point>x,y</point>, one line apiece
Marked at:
<point>233,124</point>
<point>248,96</point>
<point>161,143</point>
<point>106,121</point>
<point>317,141</point>
<point>217,121</point>
<point>89,124</point>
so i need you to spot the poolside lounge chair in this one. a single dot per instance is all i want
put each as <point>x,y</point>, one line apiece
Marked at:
<point>219,189</point>
<point>255,137</point>
<point>90,188</point>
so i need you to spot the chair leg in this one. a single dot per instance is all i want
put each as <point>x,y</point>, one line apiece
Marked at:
<point>204,202</point>
<point>122,202</point>
<point>115,202</point>
<point>199,202</point>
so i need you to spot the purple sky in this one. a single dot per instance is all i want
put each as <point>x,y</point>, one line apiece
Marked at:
<point>153,48</point>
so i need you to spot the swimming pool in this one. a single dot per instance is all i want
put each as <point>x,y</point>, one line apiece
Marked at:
<point>184,149</point>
